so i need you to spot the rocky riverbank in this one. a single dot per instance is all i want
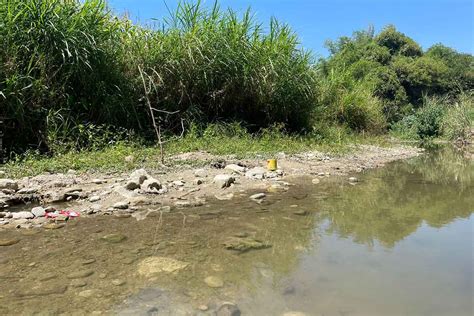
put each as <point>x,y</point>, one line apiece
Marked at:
<point>50,200</point>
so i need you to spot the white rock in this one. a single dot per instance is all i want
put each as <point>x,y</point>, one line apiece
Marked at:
<point>200,173</point>
<point>235,168</point>
<point>141,175</point>
<point>38,211</point>
<point>256,173</point>
<point>8,184</point>
<point>223,180</point>
<point>315,181</point>
<point>98,181</point>
<point>28,191</point>
<point>121,205</point>
<point>225,197</point>
<point>151,185</point>
<point>353,179</point>
<point>178,183</point>
<point>22,215</point>
<point>258,196</point>
<point>94,198</point>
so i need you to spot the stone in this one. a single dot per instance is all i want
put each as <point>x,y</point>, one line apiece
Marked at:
<point>86,293</point>
<point>61,218</point>
<point>224,197</point>
<point>94,198</point>
<point>223,180</point>
<point>301,213</point>
<point>129,159</point>
<point>235,168</point>
<point>178,183</point>
<point>258,196</point>
<point>181,204</point>
<point>353,179</point>
<point>80,274</point>
<point>151,185</point>
<point>22,215</point>
<point>164,209</point>
<point>114,238</point>
<point>45,291</point>
<point>293,313</point>
<point>277,188</point>
<point>8,184</point>
<point>154,265</point>
<point>118,282</point>
<point>315,181</point>
<point>99,181</point>
<point>121,205</point>
<point>203,308</point>
<point>88,261</point>
<point>8,242</point>
<point>140,175</point>
<point>78,283</point>
<point>245,244</point>
<point>200,173</point>
<point>56,197</point>
<point>27,191</point>
<point>256,173</point>
<point>53,226</point>
<point>132,185</point>
<point>198,182</point>
<point>38,211</point>
<point>214,282</point>
<point>228,309</point>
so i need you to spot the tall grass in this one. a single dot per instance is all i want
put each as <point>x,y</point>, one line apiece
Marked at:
<point>66,63</point>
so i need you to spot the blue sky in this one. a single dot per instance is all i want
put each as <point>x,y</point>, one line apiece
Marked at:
<point>450,22</point>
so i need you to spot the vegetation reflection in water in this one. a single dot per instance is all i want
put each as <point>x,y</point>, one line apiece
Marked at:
<point>382,211</point>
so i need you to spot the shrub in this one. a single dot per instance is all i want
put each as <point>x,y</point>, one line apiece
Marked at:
<point>429,118</point>
<point>459,118</point>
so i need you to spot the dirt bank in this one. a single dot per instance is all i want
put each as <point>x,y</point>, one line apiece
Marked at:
<point>173,188</point>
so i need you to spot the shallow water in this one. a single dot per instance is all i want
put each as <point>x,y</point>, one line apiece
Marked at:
<point>399,242</point>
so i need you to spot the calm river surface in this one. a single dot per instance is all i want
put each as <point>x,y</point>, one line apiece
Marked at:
<point>398,242</point>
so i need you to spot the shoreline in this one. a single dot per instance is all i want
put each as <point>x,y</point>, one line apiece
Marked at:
<point>183,186</point>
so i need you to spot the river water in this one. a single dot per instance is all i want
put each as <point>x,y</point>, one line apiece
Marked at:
<point>398,242</point>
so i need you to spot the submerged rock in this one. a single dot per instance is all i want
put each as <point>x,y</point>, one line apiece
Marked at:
<point>8,242</point>
<point>228,309</point>
<point>155,265</point>
<point>258,196</point>
<point>214,282</point>
<point>80,274</point>
<point>52,226</point>
<point>114,238</point>
<point>245,244</point>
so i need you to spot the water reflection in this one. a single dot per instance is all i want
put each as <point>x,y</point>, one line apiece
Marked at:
<point>391,203</point>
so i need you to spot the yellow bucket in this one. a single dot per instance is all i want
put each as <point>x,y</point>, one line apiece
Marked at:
<point>272,164</point>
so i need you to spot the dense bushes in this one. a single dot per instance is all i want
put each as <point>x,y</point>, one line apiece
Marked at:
<point>73,75</point>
